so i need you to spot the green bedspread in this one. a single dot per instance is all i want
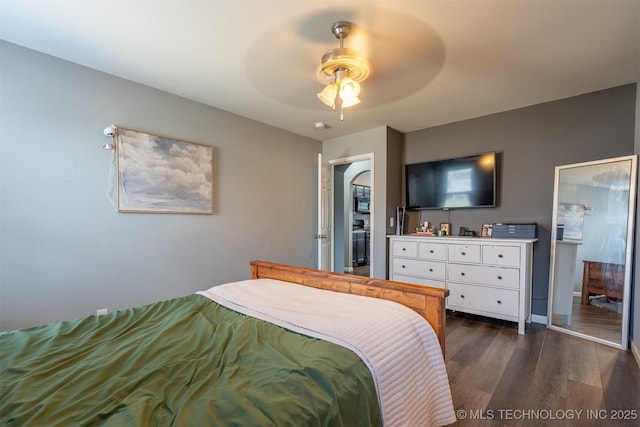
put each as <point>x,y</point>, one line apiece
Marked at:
<point>182,362</point>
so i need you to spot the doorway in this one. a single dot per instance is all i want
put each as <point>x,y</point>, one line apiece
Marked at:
<point>353,215</point>
<point>360,225</point>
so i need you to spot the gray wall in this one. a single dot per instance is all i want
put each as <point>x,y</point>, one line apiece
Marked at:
<point>531,142</point>
<point>395,144</point>
<point>64,250</point>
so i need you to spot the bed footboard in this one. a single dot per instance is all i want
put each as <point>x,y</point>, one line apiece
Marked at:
<point>427,301</point>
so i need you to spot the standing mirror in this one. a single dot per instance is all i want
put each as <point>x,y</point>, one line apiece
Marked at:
<point>592,249</point>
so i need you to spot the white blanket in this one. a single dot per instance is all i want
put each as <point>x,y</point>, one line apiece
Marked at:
<point>398,346</point>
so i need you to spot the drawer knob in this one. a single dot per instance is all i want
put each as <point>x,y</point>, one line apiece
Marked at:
<point>404,249</point>
<point>462,273</point>
<point>431,270</point>
<point>431,251</point>
<point>404,266</point>
<point>499,277</point>
<point>499,302</point>
<point>462,296</point>
<point>499,255</point>
<point>463,253</point>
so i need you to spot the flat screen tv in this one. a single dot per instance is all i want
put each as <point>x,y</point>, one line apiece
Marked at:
<point>460,182</point>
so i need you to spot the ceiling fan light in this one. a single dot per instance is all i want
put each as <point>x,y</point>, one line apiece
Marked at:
<point>349,91</point>
<point>328,95</point>
<point>350,102</point>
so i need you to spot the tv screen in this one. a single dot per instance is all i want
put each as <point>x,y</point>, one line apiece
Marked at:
<point>461,182</point>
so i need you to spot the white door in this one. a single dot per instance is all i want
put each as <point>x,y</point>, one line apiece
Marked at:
<point>324,218</point>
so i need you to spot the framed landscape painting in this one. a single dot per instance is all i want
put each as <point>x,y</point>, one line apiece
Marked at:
<point>157,174</point>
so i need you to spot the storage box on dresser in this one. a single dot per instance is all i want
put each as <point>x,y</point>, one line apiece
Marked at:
<point>485,276</point>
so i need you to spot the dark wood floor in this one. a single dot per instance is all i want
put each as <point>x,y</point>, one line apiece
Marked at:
<point>362,270</point>
<point>594,321</point>
<point>542,378</point>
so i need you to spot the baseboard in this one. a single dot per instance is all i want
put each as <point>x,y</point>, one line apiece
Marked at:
<point>636,351</point>
<point>537,318</point>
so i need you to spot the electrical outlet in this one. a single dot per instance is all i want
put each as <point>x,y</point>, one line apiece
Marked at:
<point>102,311</point>
<point>390,221</point>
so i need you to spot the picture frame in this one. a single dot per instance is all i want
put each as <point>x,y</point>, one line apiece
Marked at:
<point>159,174</point>
<point>446,227</point>
<point>487,230</point>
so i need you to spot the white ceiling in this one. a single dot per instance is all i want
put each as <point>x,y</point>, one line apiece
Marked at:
<point>433,62</point>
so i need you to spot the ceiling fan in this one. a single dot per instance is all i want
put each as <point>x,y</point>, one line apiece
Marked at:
<point>341,70</point>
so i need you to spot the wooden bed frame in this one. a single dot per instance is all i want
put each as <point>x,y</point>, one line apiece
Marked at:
<point>427,301</point>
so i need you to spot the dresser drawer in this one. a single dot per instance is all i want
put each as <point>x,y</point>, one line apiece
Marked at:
<point>508,256</point>
<point>418,281</point>
<point>435,251</point>
<point>404,249</point>
<point>484,275</point>
<point>464,253</point>
<point>489,300</point>
<point>419,267</point>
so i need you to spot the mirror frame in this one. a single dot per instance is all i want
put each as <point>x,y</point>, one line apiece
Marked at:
<point>628,266</point>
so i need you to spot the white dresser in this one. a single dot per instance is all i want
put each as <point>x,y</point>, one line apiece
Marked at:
<point>485,276</point>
